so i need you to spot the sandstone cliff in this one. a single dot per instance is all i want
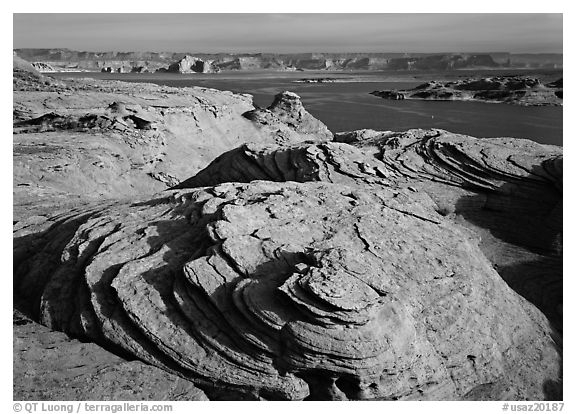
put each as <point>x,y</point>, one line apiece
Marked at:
<point>190,64</point>
<point>65,59</point>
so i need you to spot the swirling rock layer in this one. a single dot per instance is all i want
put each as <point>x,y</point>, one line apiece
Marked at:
<point>288,291</point>
<point>509,191</point>
<point>329,162</point>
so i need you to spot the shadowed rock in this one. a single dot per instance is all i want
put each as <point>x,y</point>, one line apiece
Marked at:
<point>50,366</point>
<point>329,162</point>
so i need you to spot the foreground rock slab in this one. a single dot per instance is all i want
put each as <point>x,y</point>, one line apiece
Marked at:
<point>48,365</point>
<point>290,291</point>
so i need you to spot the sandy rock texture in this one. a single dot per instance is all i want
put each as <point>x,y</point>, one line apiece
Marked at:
<point>48,365</point>
<point>508,191</point>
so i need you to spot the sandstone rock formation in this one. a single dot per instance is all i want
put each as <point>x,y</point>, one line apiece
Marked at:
<point>65,59</point>
<point>513,90</point>
<point>191,64</point>
<point>287,291</point>
<point>409,265</point>
<point>509,191</point>
<point>291,275</point>
<point>50,366</point>
<point>43,67</point>
<point>288,113</point>
<point>79,139</point>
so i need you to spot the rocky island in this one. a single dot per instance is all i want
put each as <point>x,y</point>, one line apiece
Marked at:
<point>503,89</point>
<point>317,80</point>
<point>181,243</point>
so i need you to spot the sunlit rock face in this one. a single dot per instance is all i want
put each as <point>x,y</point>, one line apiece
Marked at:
<point>289,115</point>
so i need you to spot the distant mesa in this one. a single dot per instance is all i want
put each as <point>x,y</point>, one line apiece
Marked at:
<point>114,62</point>
<point>190,64</point>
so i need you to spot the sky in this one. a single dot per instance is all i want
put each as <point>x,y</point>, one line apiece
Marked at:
<point>284,33</point>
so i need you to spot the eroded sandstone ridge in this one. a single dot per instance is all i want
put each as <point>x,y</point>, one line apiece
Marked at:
<point>290,290</point>
<point>504,89</point>
<point>379,265</point>
<point>82,139</point>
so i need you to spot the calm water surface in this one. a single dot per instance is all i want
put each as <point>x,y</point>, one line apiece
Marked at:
<point>348,105</point>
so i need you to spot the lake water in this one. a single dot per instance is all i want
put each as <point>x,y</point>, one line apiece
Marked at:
<point>348,105</point>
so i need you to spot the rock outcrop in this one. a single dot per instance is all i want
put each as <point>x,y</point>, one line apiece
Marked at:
<point>382,265</point>
<point>43,67</point>
<point>329,162</point>
<point>288,291</point>
<point>191,64</point>
<point>509,191</point>
<point>289,115</point>
<point>512,90</point>
<point>81,139</point>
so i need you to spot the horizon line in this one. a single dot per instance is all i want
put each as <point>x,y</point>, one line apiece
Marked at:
<point>281,53</point>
